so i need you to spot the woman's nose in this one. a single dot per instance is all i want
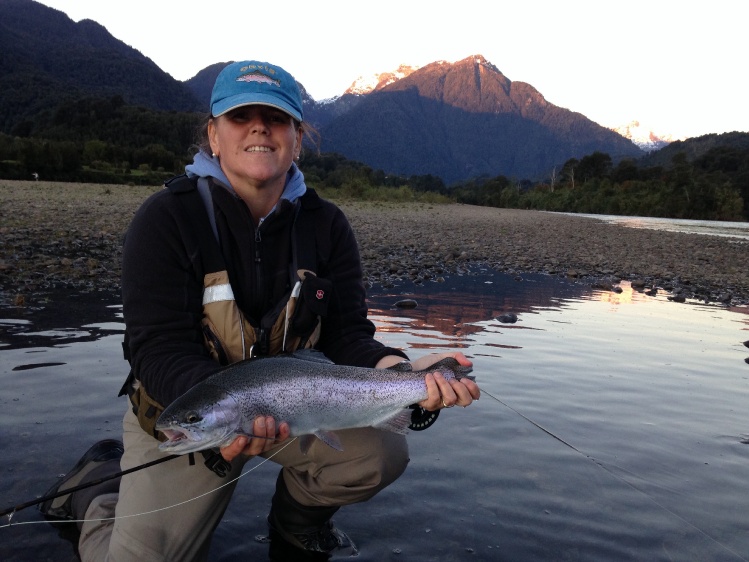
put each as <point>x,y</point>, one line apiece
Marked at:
<point>258,124</point>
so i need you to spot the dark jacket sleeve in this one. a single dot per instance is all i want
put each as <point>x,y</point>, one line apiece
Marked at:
<point>162,301</point>
<point>347,335</point>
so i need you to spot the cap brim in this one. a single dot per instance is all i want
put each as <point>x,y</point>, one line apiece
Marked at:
<point>233,102</point>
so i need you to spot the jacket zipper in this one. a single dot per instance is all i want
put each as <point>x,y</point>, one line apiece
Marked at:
<point>260,342</point>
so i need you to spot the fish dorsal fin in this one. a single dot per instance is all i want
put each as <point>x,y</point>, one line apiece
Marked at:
<point>327,437</point>
<point>398,423</point>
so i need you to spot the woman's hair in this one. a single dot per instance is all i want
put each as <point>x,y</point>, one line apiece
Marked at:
<point>203,144</point>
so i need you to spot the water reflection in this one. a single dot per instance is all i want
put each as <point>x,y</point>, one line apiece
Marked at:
<point>738,230</point>
<point>646,397</point>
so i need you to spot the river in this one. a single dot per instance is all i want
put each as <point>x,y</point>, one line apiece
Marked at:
<point>619,429</point>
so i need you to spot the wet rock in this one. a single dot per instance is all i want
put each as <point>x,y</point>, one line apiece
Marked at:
<point>508,318</point>
<point>406,303</point>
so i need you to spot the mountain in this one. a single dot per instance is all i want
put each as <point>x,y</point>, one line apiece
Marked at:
<point>452,120</point>
<point>643,136</point>
<point>368,84</point>
<point>47,58</point>
<point>201,84</point>
<point>696,147</point>
<point>464,120</point>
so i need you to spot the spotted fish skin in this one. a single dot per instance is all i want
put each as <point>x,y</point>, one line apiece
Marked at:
<point>306,390</point>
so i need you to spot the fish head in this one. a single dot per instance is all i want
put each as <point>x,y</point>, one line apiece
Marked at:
<point>200,420</point>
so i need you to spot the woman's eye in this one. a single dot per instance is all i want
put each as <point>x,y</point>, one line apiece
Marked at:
<point>279,118</point>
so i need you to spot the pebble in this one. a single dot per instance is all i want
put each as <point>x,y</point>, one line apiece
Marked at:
<point>41,250</point>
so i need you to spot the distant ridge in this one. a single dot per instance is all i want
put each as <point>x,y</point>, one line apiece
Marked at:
<point>456,121</point>
<point>464,120</point>
<point>48,58</point>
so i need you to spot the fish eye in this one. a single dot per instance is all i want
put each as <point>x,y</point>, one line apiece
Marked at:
<point>192,417</point>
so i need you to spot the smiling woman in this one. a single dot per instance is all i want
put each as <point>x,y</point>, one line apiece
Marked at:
<point>238,259</point>
<point>256,145</point>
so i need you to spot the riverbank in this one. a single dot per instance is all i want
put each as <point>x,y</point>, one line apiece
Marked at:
<point>68,236</point>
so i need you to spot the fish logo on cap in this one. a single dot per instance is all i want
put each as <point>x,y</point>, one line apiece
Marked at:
<point>258,77</point>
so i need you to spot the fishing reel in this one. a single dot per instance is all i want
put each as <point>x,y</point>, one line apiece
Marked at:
<point>421,418</point>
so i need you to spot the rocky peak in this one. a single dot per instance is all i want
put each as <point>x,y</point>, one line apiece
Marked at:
<point>367,84</point>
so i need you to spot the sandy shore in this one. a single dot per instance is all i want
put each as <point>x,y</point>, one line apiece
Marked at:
<point>60,235</point>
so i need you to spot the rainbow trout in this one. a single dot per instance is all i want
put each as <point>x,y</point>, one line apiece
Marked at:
<point>306,390</point>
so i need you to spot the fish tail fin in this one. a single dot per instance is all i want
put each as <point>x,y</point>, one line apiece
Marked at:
<point>451,364</point>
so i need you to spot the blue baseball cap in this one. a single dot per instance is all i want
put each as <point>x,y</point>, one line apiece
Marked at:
<point>254,82</point>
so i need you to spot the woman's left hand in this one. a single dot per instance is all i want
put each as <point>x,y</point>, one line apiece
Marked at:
<point>442,393</point>
<point>267,434</point>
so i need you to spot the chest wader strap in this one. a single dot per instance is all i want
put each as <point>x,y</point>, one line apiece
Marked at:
<point>227,334</point>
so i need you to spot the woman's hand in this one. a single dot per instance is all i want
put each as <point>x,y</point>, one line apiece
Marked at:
<point>442,393</point>
<point>264,428</point>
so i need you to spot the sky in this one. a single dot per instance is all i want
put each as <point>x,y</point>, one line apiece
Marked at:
<point>676,66</point>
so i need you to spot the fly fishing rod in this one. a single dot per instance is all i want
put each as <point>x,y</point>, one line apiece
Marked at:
<point>213,460</point>
<point>11,510</point>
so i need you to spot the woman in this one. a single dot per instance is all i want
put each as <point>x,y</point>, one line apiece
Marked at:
<point>254,203</point>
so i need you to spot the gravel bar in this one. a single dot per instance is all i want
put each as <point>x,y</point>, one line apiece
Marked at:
<point>57,236</point>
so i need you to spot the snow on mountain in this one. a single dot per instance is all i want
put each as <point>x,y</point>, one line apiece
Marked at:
<point>367,84</point>
<point>643,136</point>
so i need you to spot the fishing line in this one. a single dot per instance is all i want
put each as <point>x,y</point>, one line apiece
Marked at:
<point>619,478</point>
<point>10,511</point>
<point>243,474</point>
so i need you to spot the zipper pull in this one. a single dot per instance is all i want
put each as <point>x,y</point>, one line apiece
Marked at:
<point>257,245</point>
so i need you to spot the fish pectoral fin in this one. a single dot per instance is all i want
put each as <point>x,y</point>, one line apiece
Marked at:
<point>330,439</point>
<point>398,423</point>
<point>327,437</point>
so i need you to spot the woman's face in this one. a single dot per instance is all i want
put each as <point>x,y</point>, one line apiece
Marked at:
<point>256,145</point>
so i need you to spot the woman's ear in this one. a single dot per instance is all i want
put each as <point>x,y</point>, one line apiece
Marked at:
<point>298,145</point>
<point>212,137</point>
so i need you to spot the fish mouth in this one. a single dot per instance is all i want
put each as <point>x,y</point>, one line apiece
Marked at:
<point>174,436</point>
<point>181,440</point>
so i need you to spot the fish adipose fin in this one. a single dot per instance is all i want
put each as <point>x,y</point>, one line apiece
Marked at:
<point>327,437</point>
<point>398,423</point>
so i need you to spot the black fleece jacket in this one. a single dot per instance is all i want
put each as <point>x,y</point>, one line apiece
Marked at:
<point>162,285</point>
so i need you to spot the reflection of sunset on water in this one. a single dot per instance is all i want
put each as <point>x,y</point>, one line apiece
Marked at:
<point>465,313</point>
<point>627,296</point>
<point>654,394</point>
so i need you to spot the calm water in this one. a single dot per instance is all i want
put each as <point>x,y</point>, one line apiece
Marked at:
<point>619,436</point>
<point>732,229</point>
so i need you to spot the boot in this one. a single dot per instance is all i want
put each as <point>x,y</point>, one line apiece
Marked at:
<point>100,461</point>
<point>302,533</point>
